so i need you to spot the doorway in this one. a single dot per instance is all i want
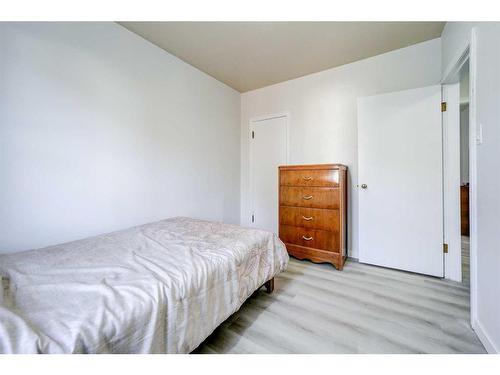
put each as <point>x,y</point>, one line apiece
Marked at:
<point>464,172</point>
<point>466,65</point>
<point>457,135</point>
<point>268,150</point>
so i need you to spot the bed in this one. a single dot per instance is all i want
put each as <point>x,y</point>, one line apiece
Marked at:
<point>157,288</point>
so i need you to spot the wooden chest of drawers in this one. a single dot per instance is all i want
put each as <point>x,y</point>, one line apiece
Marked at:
<point>313,212</point>
<point>464,209</point>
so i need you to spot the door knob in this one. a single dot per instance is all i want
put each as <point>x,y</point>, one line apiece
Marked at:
<point>364,186</point>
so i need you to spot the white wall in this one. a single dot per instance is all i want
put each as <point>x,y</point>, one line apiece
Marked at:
<point>455,36</point>
<point>323,111</point>
<point>464,123</point>
<point>464,84</point>
<point>464,144</point>
<point>101,130</point>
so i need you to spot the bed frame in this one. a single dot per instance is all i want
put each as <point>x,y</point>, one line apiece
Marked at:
<point>269,286</point>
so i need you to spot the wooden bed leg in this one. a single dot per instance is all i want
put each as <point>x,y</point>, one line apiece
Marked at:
<point>269,286</point>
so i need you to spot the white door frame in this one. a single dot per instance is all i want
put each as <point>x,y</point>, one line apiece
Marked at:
<point>254,121</point>
<point>451,75</point>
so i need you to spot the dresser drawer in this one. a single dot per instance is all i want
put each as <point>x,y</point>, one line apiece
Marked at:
<point>313,238</point>
<point>314,218</point>
<point>315,197</point>
<point>314,177</point>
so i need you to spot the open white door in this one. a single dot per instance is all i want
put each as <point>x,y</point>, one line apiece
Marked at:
<point>400,180</point>
<point>268,150</point>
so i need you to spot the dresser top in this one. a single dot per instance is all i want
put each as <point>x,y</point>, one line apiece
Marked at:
<point>313,166</point>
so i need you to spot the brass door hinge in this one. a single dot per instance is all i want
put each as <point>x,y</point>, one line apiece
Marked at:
<point>445,248</point>
<point>443,106</point>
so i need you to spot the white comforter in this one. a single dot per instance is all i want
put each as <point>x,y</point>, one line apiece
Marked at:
<point>158,288</point>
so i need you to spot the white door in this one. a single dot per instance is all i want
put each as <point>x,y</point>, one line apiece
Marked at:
<point>268,150</point>
<point>400,180</point>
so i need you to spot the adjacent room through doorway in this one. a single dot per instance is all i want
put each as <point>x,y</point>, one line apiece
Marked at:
<point>464,172</point>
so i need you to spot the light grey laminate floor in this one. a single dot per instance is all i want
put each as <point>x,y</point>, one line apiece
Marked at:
<point>363,309</point>
<point>465,260</point>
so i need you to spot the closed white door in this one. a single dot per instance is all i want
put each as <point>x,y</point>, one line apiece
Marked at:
<point>400,180</point>
<point>268,150</point>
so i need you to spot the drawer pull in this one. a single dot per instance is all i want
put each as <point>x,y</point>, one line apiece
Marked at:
<point>307,238</point>
<point>308,178</point>
<point>307,218</point>
<point>307,197</point>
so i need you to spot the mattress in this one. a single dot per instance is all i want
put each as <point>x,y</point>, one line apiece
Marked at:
<point>157,288</point>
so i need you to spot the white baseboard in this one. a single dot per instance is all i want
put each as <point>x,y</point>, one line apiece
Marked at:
<point>484,338</point>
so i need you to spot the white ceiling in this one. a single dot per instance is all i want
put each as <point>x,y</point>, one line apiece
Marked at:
<point>250,55</point>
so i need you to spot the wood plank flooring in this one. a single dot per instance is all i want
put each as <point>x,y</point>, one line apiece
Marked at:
<point>363,309</point>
